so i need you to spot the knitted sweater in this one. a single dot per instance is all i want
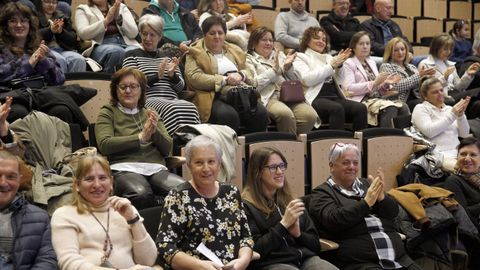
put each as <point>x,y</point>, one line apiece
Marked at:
<point>289,27</point>
<point>78,240</point>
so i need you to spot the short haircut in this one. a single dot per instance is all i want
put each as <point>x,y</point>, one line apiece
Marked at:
<point>256,36</point>
<point>310,33</point>
<point>438,42</point>
<point>390,47</point>
<point>205,5</point>
<point>122,73</point>
<point>356,38</point>
<point>209,22</point>
<point>202,141</point>
<point>469,141</point>
<point>153,21</point>
<point>338,149</point>
<point>425,85</point>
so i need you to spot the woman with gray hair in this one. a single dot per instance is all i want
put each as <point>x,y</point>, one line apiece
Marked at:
<point>358,215</point>
<point>475,58</point>
<point>163,74</point>
<point>204,214</point>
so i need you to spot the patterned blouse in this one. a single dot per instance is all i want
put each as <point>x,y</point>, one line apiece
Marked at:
<point>189,219</point>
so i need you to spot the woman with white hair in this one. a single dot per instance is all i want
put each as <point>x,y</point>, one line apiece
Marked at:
<point>163,74</point>
<point>475,58</point>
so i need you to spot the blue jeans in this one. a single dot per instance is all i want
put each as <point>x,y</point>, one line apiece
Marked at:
<point>69,61</point>
<point>111,52</point>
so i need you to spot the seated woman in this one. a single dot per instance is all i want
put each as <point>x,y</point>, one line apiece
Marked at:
<point>396,60</point>
<point>135,141</point>
<point>164,77</point>
<point>98,231</point>
<point>453,86</point>
<point>316,69</point>
<point>284,235</point>
<point>358,215</point>
<point>269,73</point>
<point>56,29</point>
<point>462,47</point>
<point>361,82</point>
<point>441,124</point>
<point>213,66</point>
<point>206,212</point>
<point>236,25</point>
<point>465,183</point>
<point>110,28</point>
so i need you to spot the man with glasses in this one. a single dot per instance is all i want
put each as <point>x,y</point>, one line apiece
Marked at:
<point>340,25</point>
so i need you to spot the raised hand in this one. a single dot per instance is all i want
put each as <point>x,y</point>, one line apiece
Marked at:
<point>57,26</point>
<point>373,192</point>
<point>161,68</point>
<point>112,13</point>
<point>473,68</point>
<point>342,56</point>
<point>149,128</point>
<point>4,111</point>
<point>39,54</point>
<point>172,66</point>
<point>461,106</point>
<point>427,71</point>
<point>448,72</point>
<point>123,206</point>
<point>184,47</point>
<point>291,55</point>
<point>294,210</point>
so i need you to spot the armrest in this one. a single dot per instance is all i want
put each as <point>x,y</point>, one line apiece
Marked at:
<point>328,244</point>
<point>174,161</point>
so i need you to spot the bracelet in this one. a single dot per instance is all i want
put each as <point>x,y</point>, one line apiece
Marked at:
<point>133,220</point>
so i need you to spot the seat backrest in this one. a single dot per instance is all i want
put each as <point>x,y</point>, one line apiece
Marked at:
<point>265,16</point>
<point>435,8</point>
<point>406,24</point>
<point>319,5</point>
<point>460,9</point>
<point>151,220</point>
<point>409,8</point>
<point>427,27</point>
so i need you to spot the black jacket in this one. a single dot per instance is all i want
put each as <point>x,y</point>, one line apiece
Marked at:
<point>32,246</point>
<point>67,39</point>
<point>340,29</point>
<point>373,27</point>
<point>273,241</point>
<point>466,64</point>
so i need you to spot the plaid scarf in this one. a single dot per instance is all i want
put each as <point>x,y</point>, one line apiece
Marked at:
<point>473,179</point>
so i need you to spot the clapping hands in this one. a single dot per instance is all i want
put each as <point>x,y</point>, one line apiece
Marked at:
<point>39,54</point>
<point>376,191</point>
<point>149,128</point>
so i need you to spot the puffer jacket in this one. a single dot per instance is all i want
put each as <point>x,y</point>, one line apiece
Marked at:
<point>32,246</point>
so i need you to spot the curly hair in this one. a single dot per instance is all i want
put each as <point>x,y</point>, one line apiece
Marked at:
<point>310,33</point>
<point>9,11</point>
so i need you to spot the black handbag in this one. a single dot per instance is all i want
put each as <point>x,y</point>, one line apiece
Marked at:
<point>243,98</point>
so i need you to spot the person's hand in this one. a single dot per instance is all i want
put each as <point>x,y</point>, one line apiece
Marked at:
<point>275,63</point>
<point>123,206</point>
<point>373,191</point>
<point>207,265</point>
<point>473,68</point>
<point>234,78</point>
<point>461,106</point>
<point>381,178</point>
<point>291,55</point>
<point>448,72</point>
<point>161,68</point>
<point>172,66</point>
<point>184,47</point>
<point>237,264</point>
<point>4,111</point>
<point>390,93</point>
<point>341,57</point>
<point>392,79</point>
<point>243,19</point>
<point>149,128</point>
<point>381,77</point>
<point>294,230</point>
<point>294,210</point>
<point>427,71</point>
<point>112,13</point>
<point>57,26</point>
<point>140,267</point>
<point>39,54</point>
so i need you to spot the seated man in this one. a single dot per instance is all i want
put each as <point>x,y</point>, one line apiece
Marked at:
<point>289,26</point>
<point>340,25</point>
<point>381,27</point>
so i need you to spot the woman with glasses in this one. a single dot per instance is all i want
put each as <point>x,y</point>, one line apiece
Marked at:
<point>57,32</point>
<point>135,141</point>
<point>284,235</point>
<point>163,75</point>
<point>358,215</point>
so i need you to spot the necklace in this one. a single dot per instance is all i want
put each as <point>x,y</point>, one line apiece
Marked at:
<point>138,124</point>
<point>107,244</point>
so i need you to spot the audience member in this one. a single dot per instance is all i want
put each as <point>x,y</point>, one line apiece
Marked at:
<point>284,235</point>
<point>441,124</point>
<point>180,27</point>
<point>99,231</point>
<point>244,7</point>
<point>271,69</point>
<point>474,58</point>
<point>289,25</point>
<point>236,25</point>
<point>56,29</point>
<point>362,83</point>
<point>463,47</point>
<point>206,212</point>
<point>111,30</point>
<point>381,27</point>
<point>396,60</point>
<point>135,141</point>
<point>340,24</point>
<point>164,78</point>
<point>358,215</point>
<point>214,65</point>
<point>453,86</point>
<point>316,69</point>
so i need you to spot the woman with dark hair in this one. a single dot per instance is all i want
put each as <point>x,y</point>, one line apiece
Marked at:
<point>315,68</point>
<point>284,235</point>
<point>111,29</point>
<point>56,29</point>
<point>271,68</point>
<point>135,141</point>
<point>213,67</point>
<point>165,80</point>
<point>23,55</point>
<point>463,47</point>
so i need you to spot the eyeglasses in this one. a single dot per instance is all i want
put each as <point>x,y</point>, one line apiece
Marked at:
<point>274,167</point>
<point>124,87</point>
<point>15,21</point>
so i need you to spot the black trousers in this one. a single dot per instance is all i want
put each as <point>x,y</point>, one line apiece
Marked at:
<point>336,111</point>
<point>18,111</point>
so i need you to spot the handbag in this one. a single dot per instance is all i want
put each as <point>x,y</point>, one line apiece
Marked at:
<point>243,98</point>
<point>292,92</point>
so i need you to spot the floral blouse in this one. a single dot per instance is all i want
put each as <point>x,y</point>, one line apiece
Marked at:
<point>189,219</point>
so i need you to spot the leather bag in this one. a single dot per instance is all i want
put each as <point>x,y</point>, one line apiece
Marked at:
<point>292,92</point>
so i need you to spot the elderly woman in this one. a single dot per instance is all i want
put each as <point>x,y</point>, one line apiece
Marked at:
<point>164,77</point>
<point>237,29</point>
<point>397,61</point>
<point>315,68</point>
<point>358,215</point>
<point>439,123</point>
<point>362,83</point>
<point>453,86</point>
<point>284,235</point>
<point>214,66</point>
<point>205,213</point>
<point>269,73</point>
<point>110,28</point>
<point>135,141</point>
<point>98,231</point>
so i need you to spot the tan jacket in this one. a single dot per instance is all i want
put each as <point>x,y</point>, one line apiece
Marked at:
<point>201,74</point>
